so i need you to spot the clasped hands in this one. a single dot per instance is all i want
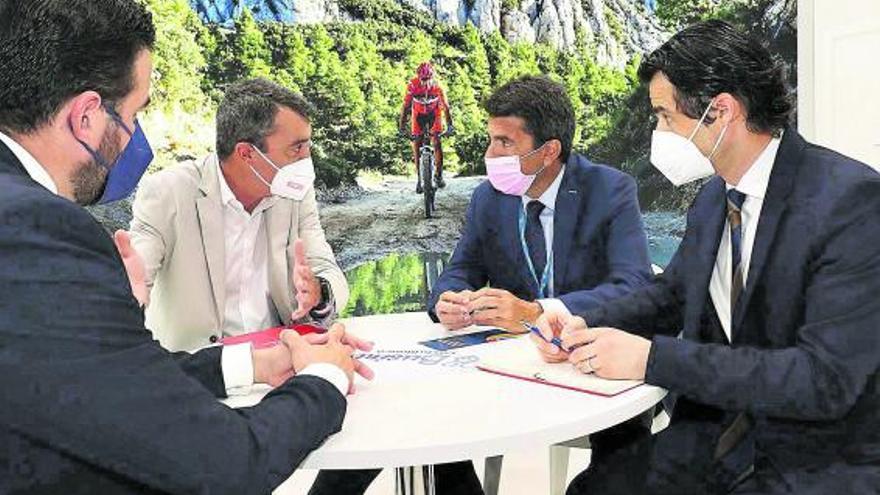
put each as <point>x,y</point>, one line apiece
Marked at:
<point>606,352</point>
<point>275,365</point>
<point>487,306</point>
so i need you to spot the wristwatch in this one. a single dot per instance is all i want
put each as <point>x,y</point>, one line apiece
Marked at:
<point>323,308</point>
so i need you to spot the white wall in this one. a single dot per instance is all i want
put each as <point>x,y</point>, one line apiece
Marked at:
<point>839,75</point>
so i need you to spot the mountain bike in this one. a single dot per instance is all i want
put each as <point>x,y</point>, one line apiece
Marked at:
<point>426,169</point>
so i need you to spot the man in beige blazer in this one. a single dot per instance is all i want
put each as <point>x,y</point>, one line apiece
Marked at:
<point>233,243</point>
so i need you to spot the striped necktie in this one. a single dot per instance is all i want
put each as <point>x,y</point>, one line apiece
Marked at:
<point>740,464</point>
<point>735,200</point>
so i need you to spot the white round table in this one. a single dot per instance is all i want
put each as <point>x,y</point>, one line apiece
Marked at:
<point>424,408</point>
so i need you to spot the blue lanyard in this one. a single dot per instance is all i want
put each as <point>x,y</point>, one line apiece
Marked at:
<point>544,283</point>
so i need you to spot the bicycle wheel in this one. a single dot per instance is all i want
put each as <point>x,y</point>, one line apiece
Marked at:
<point>426,165</point>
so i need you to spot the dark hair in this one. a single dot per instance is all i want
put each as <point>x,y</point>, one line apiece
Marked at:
<point>712,57</point>
<point>53,50</point>
<point>544,106</point>
<point>247,113</point>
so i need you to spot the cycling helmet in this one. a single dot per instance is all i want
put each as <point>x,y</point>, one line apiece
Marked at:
<point>425,71</point>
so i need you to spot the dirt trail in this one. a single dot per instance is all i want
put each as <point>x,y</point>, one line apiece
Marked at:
<point>389,217</point>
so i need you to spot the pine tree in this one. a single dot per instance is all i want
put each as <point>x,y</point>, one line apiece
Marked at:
<point>419,48</point>
<point>477,62</point>
<point>525,62</point>
<point>470,122</point>
<point>249,45</point>
<point>500,59</point>
<point>179,61</point>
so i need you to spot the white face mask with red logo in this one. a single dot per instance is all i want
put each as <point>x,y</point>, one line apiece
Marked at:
<point>291,181</point>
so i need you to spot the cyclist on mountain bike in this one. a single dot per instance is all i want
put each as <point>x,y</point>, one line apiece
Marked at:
<point>426,100</point>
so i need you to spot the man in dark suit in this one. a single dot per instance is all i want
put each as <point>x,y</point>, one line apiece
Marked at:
<point>572,239</point>
<point>549,229</point>
<point>91,404</point>
<point>774,290</point>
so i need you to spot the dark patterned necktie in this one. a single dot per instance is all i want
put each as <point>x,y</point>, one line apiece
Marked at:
<point>535,240</point>
<point>735,200</point>
<point>735,448</point>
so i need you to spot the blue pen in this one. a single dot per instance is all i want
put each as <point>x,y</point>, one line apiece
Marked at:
<point>555,340</point>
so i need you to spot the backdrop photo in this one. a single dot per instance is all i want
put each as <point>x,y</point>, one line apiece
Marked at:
<point>352,59</point>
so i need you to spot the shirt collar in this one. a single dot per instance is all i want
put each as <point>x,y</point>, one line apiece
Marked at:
<point>756,179</point>
<point>548,198</point>
<point>30,164</point>
<point>227,197</point>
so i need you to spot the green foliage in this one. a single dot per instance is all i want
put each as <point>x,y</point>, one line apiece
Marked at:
<point>392,12</point>
<point>386,285</point>
<point>419,48</point>
<point>501,61</point>
<point>179,63</point>
<point>252,55</point>
<point>675,14</point>
<point>476,62</point>
<point>510,5</point>
<point>470,123</point>
<point>526,62</point>
<point>745,14</point>
<point>617,30</point>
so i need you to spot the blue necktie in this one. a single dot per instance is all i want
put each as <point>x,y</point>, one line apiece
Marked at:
<point>735,200</point>
<point>535,241</point>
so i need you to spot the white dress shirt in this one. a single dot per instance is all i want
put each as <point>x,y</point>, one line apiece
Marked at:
<point>235,360</point>
<point>754,185</point>
<point>249,305</point>
<point>548,199</point>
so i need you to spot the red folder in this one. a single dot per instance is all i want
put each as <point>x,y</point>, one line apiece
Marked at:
<point>269,336</point>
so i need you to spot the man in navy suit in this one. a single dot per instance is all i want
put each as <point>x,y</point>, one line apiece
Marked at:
<point>774,290</point>
<point>549,229</point>
<point>91,403</point>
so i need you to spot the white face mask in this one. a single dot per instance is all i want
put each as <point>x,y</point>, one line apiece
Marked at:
<point>678,158</point>
<point>291,181</point>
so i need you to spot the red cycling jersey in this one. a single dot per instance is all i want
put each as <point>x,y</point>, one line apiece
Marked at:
<point>428,104</point>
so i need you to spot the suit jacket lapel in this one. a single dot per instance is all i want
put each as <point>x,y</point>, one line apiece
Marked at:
<point>775,203</point>
<point>277,222</point>
<point>566,218</point>
<point>709,221</point>
<point>210,212</point>
<point>508,233</point>
<point>9,162</point>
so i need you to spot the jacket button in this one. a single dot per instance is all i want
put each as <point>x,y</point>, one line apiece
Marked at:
<point>213,339</point>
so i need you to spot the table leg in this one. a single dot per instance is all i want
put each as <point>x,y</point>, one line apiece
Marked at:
<point>414,480</point>
<point>492,475</point>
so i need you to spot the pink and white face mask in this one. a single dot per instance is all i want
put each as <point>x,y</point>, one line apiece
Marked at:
<point>505,173</point>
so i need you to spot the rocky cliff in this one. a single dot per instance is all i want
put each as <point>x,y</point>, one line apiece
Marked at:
<point>617,28</point>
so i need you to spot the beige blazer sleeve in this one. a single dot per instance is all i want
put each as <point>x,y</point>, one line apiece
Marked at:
<point>152,233</point>
<point>171,218</point>
<point>318,252</point>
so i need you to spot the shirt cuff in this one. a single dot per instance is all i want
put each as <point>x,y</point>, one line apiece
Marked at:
<point>555,305</point>
<point>329,372</point>
<point>237,364</point>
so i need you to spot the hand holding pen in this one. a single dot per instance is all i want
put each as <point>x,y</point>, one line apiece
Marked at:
<point>550,331</point>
